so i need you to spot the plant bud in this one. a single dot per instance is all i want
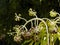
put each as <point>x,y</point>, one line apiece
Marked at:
<point>53,13</point>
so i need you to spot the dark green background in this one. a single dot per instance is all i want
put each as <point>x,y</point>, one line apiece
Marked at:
<point>9,7</point>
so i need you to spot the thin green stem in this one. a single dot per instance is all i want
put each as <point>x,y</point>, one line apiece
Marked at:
<point>23,19</point>
<point>31,24</point>
<point>57,20</point>
<point>58,14</point>
<point>24,27</point>
<point>35,23</point>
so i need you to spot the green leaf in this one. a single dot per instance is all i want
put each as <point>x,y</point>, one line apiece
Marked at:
<point>44,42</point>
<point>26,41</point>
<point>31,43</point>
<point>36,43</point>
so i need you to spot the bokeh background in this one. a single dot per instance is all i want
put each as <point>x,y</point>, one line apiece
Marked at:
<point>9,7</point>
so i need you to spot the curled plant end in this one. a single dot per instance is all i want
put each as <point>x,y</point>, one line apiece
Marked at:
<point>17,38</point>
<point>53,13</point>
<point>31,12</point>
<point>17,17</point>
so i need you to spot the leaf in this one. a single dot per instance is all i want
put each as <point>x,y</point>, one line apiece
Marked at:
<point>26,41</point>
<point>36,43</point>
<point>41,26</point>
<point>31,43</point>
<point>43,42</point>
<point>53,38</point>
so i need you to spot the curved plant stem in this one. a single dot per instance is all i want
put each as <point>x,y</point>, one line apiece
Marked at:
<point>24,27</point>
<point>58,14</point>
<point>31,24</point>
<point>23,19</point>
<point>43,22</point>
<point>51,21</point>
<point>47,19</point>
<point>37,21</point>
<point>57,20</point>
<point>57,17</point>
